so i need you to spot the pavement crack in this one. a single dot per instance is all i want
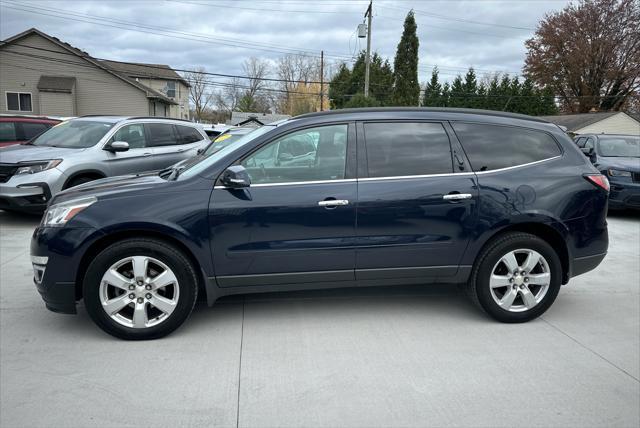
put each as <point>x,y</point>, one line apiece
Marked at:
<point>591,350</point>
<point>240,365</point>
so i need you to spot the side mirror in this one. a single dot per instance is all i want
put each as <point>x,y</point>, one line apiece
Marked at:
<point>235,177</point>
<point>588,151</point>
<point>117,146</point>
<point>200,151</point>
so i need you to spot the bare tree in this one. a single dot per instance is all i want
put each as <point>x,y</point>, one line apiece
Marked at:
<point>589,54</point>
<point>199,94</point>
<point>296,71</point>
<point>254,97</point>
<point>229,97</point>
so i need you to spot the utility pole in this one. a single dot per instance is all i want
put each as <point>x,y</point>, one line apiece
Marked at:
<point>321,80</point>
<point>367,59</point>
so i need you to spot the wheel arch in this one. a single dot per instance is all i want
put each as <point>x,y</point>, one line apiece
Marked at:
<point>103,242</point>
<point>547,233</point>
<point>95,174</point>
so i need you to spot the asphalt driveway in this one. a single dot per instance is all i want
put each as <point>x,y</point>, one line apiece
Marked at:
<point>402,356</point>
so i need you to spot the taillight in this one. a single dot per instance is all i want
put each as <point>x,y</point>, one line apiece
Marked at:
<point>599,180</point>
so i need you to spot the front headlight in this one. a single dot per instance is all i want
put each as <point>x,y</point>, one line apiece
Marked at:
<point>58,215</point>
<point>619,173</point>
<point>34,167</point>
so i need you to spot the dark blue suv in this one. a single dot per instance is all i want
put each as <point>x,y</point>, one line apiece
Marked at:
<point>506,204</point>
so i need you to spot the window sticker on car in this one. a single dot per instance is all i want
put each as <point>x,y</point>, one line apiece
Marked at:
<point>222,138</point>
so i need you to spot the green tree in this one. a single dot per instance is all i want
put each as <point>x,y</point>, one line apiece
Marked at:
<point>339,87</point>
<point>470,89</point>
<point>406,89</point>
<point>457,97</point>
<point>432,91</point>
<point>359,100</point>
<point>445,96</point>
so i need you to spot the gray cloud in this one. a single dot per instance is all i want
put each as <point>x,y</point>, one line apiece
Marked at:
<point>451,45</point>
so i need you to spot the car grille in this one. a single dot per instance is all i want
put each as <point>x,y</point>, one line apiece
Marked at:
<point>636,177</point>
<point>6,171</point>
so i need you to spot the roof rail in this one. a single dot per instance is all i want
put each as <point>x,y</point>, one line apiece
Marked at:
<point>422,109</point>
<point>158,117</point>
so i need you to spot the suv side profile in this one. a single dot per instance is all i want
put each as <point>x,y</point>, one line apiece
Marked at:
<point>503,203</point>
<point>89,148</point>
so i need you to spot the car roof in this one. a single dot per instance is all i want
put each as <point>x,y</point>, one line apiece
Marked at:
<point>116,119</point>
<point>28,118</point>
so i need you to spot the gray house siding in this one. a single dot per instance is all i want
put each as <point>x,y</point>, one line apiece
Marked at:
<point>57,104</point>
<point>96,91</point>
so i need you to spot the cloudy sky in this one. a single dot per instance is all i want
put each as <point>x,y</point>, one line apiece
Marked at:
<point>220,34</point>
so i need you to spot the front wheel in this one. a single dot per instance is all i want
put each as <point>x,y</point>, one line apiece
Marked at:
<point>516,278</point>
<point>140,289</point>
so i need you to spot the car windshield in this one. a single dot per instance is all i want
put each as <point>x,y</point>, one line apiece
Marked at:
<point>73,134</point>
<point>619,146</point>
<point>223,141</point>
<point>203,162</point>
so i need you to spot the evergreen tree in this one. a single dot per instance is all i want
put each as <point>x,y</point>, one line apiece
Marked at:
<point>457,96</point>
<point>432,91</point>
<point>339,87</point>
<point>359,100</point>
<point>493,92</point>
<point>470,89</point>
<point>445,96</point>
<point>406,89</point>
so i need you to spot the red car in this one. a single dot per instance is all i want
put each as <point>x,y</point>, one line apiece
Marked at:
<point>18,129</point>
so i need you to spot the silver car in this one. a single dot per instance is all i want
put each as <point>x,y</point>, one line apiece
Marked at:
<point>90,148</point>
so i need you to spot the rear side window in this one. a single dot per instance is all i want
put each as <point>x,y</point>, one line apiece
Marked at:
<point>188,135</point>
<point>490,147</point>
<point>7,132</point>
<point>404,148</point>
<point>161,134</point>
<point>31,130</point>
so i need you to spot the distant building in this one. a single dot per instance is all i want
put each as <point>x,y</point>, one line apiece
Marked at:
<point>42,75</point>
<point>239,118</point>
<point>614,122</point>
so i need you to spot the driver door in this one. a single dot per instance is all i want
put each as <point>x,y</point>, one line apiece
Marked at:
<point>139,157</point>
<point>295,224</point>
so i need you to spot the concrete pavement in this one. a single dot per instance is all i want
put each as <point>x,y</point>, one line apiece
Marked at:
<point>401,356</point>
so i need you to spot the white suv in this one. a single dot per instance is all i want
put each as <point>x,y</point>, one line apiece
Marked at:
<point>90,148</point>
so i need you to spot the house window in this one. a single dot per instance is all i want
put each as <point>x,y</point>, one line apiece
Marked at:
<point>171,89</point>
<point>19,101</point>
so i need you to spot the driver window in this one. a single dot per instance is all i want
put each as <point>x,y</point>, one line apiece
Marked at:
<point>132,134</point>
<point>308,155</point>
<point>590,143</point>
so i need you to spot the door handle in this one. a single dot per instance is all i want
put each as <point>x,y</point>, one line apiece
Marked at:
<point>457,196</point>
<point>333,202</point>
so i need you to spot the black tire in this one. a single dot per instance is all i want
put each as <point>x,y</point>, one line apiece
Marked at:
<point>180,265</point>
<point>478,286</point>
<point>78,181</point>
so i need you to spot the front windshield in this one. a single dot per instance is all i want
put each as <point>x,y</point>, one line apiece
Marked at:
<point>203,162</point>
<point>221,142</point>
<point>619,146</point>
<point>73,134</point>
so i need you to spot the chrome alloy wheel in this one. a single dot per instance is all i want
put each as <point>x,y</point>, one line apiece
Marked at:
<point>520,280</point>
<point>139,292</point>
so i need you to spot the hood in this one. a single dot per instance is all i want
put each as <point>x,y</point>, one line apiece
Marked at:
<point>623,164</point>
<point>26,153</point>
<point>113,187</point>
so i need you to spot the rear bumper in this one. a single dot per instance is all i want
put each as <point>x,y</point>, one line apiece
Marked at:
<point>582,265</point>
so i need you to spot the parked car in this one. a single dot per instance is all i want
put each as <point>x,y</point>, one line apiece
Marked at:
<point>503,203</point>
<point>18,129</point>
<point>89,148</point>
<point>221,141</point>
<point>617,157</point>
<point>213,131</point>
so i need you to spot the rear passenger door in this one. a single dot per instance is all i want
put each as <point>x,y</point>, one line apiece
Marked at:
<point>138,158</point>
<point>173,143</point>
<point>415,214</point>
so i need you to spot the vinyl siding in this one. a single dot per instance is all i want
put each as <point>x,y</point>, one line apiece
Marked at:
<point>620,123</point>
<point>182,96</point>
<point>57,104</point>
<point>96,91</point>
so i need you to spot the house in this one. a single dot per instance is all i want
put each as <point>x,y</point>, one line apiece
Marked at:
<point>42,75</point>
<point>250,119</point>
<point>161,78</point>
<point>614,122</point>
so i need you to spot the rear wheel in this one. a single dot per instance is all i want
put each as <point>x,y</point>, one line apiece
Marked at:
<point>516,278</point>
<point>140,289</point>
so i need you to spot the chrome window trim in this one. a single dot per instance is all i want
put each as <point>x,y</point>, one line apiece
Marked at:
<point>403,177</point>
<point>519,166</point>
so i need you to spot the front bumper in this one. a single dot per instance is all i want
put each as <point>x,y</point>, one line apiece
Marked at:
<point>56,255</point>
<point>30,192</point>
<point>624,194</point>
